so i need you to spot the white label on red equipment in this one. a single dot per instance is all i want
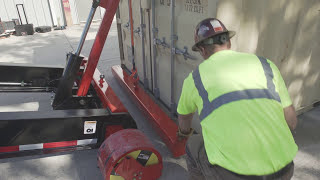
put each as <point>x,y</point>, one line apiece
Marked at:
<point>30,147</point>
<point>90,127</point>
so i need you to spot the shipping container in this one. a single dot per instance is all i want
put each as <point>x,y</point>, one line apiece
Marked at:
<point>286,32</point>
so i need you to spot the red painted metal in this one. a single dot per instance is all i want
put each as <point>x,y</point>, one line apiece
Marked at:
<point>59,144</point>
<point>162,123</point>
<point>119,145</point>
<point>9,149</point>
<point>112,129</point>
<point>107,95</point>
<point>111,8</point>
<point>104,3</point>
<point>129,168</point>
<point>45,146</point>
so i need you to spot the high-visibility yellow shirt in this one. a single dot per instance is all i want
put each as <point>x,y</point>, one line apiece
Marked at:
<point>240,99</point>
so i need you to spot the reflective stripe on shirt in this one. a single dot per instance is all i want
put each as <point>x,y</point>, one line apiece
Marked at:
<point>209,107</point>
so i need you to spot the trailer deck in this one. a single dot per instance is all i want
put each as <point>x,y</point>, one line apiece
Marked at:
<point>49,49</point>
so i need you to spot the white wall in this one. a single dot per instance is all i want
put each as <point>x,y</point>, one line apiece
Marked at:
<point>37,11</point>
<point>57,12</point>
<point>8,10</point>
<point>80,10</point>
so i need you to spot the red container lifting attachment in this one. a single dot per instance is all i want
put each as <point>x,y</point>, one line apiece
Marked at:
<point>111,8</point>
<point>106,94</point>
<point>128,154</point>
<point>161,122</point>
<point>165,127</point>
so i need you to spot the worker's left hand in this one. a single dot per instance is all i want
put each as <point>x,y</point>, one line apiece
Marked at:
<point>182,135</point>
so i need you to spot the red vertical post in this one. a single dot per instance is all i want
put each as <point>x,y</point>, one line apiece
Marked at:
<point>111,8</point>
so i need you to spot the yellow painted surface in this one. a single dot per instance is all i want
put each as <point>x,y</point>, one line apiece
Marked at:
<point>152,160</point>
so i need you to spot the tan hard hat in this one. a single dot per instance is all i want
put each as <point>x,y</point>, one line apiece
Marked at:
<point>208,28</point>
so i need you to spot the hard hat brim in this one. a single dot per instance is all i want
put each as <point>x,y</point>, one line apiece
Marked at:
<point>195,46</point>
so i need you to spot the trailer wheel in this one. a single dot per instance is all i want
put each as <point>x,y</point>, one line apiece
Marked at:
<point>129,155</point>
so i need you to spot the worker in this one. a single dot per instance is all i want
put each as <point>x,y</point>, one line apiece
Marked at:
<point>244,108</point>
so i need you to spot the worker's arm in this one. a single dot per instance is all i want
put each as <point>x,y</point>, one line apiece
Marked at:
<point>288,109</point>
<point>185,123</point>
<point>291,117</point>
<point>186,108</point>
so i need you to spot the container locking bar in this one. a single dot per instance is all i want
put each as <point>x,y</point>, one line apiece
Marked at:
<point>184,53</point>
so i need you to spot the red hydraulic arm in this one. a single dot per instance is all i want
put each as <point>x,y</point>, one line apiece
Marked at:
<point>111,8</point>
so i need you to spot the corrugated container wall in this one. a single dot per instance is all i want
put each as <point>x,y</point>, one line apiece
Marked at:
<point>37,11</point>
<point>286,32</point>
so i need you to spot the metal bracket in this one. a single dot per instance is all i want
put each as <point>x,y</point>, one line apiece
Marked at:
<point>183,52</point>
<point>137,31</point>
<point>162,42</point>
<point>141,29</point>
<point>127,25</point>
<point>155,30</point>
<point>174,37</point>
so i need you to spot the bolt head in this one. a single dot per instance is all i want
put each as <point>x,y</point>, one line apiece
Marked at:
<point>102,76</point>
<point>82,102</point>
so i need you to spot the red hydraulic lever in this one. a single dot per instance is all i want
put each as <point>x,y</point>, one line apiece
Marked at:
<point>111,8</point>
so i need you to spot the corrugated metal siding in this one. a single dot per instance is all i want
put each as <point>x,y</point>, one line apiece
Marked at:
<point>83,9</point>
<point>37,11</point>
<point>74,12</point>
<point>9,9</point>
<point>57,12</point>
<point>3,11</point>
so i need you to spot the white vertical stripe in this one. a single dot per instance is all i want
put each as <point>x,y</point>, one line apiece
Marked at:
<point>86,141</point>
<point>30,147</point>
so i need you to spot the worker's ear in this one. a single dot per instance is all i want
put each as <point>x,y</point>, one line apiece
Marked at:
<point>202,51</point>
<point>229,44</point>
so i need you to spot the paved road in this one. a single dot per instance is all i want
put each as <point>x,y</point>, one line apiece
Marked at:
<point>50,49</point>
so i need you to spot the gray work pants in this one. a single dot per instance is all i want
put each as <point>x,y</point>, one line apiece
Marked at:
<point>200,169</point>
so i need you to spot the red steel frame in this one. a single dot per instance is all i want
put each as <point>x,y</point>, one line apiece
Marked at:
<point>111,8</point>
<point>106,94</point>
<point>162,123</point>
<point>91,73</point>
<point>165,127</point>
